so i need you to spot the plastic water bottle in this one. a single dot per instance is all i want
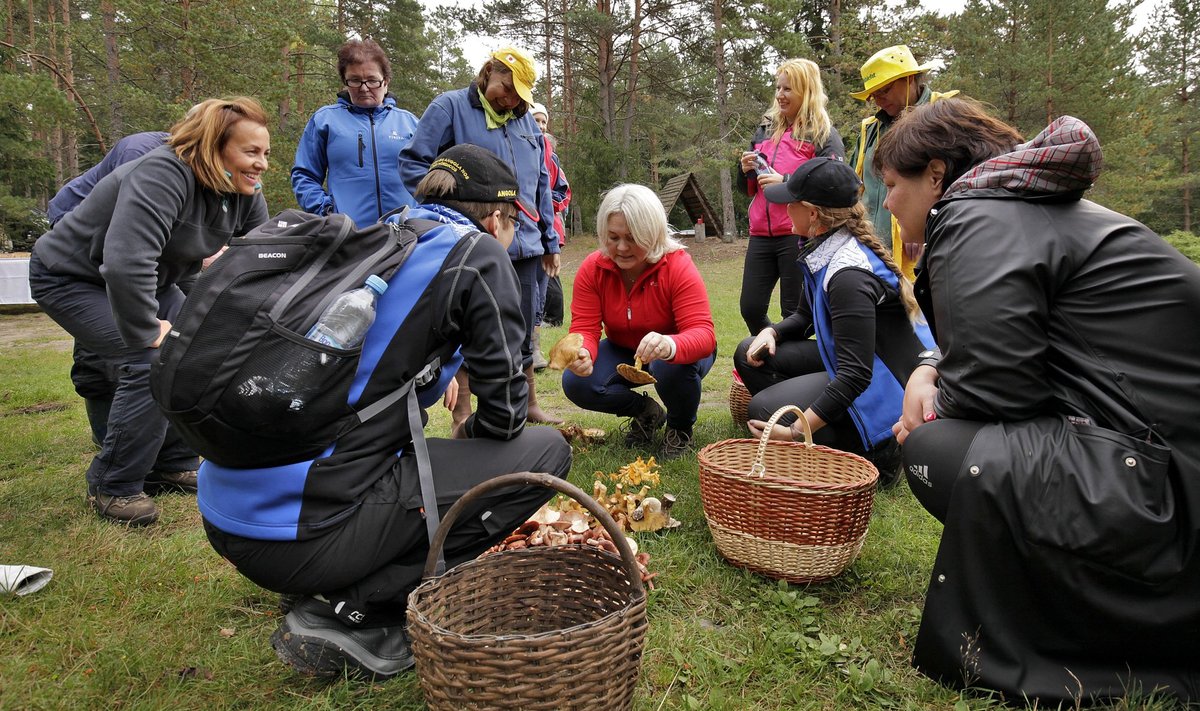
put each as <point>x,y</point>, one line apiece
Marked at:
<point>760,164</point>
<point>345,322</point>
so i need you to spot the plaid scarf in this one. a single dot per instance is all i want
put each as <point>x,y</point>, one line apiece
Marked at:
<point>1064,158</point>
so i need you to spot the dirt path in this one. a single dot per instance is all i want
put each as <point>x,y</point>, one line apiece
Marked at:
<point>32,329</point>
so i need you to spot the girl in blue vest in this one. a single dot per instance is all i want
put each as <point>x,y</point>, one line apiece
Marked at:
<point>869,334</point>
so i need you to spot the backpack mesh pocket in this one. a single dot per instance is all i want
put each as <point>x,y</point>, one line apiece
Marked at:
<point>291,387</point>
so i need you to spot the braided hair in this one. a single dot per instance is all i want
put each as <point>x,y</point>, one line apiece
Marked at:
<point>854,220</point>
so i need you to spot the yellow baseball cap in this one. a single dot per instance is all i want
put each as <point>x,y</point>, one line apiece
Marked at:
<point>522,70</point>
<point>886,66</point>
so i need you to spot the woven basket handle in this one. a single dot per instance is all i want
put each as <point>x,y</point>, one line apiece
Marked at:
<point>550,482</point>
<point>758,467</point>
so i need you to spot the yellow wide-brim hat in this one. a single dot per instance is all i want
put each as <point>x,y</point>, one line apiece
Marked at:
<point>886,66</point>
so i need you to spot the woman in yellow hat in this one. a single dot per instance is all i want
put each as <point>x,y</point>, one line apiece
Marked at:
<point>894,81</point>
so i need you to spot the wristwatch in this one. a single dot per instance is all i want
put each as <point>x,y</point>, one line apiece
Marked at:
<point>930,357</point>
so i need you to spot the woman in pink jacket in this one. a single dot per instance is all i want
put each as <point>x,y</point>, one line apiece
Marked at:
<point>644,291</point>
<point>796,128</point>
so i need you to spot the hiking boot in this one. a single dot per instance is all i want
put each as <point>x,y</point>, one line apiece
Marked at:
<point>136,510</point>
<point>312,641</point>
<point>641,427</point>
<point>539,361</point>
<point>676,443</point>
<point>163,482</point>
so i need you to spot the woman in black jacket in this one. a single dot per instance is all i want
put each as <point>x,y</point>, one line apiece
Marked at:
<point>1056,437</point>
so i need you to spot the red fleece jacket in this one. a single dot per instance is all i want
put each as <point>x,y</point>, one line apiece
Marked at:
<point>669,298</point>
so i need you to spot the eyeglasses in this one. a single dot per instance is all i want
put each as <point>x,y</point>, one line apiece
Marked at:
<point>516,220</point>
<point>360,83</point>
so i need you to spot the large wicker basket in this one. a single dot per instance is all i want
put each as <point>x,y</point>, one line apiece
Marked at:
<point>788,510</point>
<point>739,401</point>
<point>539,628</point>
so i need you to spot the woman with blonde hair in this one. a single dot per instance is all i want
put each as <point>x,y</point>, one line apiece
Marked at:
<point>643,289</point>
<point>869,333</point>
<point>794,130</point>
<point>109,274</point>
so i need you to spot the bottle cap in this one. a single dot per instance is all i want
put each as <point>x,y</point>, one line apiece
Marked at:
<point>375,283</point>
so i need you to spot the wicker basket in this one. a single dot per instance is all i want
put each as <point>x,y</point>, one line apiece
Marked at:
<point>539,628</point>
<point>739,401</point>
<point>788,510</point>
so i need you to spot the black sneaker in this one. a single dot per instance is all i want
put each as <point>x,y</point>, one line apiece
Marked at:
<point>676,443</point>
<point>314,642</point>
<point>165,482</point>
<point>641,427</point>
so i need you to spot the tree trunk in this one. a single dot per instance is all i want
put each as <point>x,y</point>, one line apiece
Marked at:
<point>10,32</point>
<point>571,127</point>
<point>549,98</point>
<point>285,103</point>
<point>835,40</point>
<point>631,90</point>
<point>112,62</point>
<point>71,144</point>
<point>727,217</point>
<point>1185,166</point>
<point>606,70</point>
<point>55,144</point>
<point>187,73</point>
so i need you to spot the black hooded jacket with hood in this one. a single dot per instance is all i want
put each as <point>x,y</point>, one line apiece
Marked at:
<point>1070,559</point>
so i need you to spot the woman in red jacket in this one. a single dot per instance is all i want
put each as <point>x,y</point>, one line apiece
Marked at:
<point>643,289</point>
<point>796,128</point>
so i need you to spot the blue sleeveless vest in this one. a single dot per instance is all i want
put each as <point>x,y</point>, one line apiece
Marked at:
<point>878,407</point>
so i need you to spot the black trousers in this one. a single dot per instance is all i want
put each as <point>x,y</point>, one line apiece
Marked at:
<point>795,375</point>
<point>376,557</point>
<point>138,440</point>
<point>933,461</point>
<point>769,260</point>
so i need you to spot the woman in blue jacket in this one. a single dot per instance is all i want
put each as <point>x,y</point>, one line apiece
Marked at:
<point>493,112</point>
<point>346,158</point>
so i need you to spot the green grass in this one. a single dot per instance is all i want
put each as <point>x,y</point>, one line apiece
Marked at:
<point>154,619</point>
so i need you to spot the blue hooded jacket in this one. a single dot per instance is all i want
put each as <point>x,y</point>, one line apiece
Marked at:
<point>352,151</point>
<point>457,117</point>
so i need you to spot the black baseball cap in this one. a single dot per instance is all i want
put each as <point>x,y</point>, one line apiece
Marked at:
<point>823,182</point>
<point>480,176</point>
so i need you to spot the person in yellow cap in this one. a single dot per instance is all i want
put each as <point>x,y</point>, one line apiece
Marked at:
<point>493,112</point>
<point>894,81</point>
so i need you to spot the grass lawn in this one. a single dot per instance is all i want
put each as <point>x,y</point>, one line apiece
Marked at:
<point>154,619</point>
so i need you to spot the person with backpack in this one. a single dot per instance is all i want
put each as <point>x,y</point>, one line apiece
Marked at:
<point>345,534</point>
<point>109,272</point>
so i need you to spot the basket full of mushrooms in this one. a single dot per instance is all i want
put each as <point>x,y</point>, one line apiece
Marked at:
<point>531,626</point>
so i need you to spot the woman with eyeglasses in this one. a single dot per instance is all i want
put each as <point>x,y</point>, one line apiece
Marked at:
<point>346,159</point>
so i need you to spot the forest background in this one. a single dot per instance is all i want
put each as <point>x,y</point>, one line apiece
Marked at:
<point>638,90</point>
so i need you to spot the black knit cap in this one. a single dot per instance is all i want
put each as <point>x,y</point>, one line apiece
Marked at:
<point>823,182</point>
<point>480,176</point>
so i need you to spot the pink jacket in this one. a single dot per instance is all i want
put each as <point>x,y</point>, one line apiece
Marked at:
<point>668,298</point>
<point>770,219</point>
